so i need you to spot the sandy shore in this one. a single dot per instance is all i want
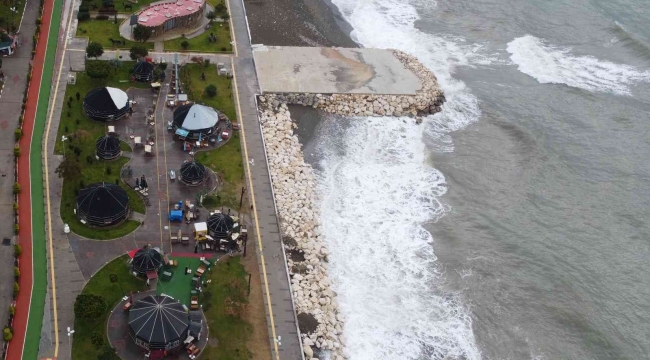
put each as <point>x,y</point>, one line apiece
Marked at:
<point>297,23</point>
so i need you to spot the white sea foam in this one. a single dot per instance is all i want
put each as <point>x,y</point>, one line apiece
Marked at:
<point>379,191</point>
<point>556,65</point>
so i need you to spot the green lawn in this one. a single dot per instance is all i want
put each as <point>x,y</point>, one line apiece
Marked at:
<point>100,284</point>
<point>228,300</point>
<point>83,133</point>
<point>180,285</point>
<point>201,43</point>
<point>195,87</point>
<point>9,18</point>
<point>103,30</point>
<point>227,159</point>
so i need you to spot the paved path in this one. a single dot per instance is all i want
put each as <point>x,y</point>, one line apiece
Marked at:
<point>15,69</point>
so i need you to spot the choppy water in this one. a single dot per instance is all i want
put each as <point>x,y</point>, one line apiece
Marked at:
<point>514,225</point>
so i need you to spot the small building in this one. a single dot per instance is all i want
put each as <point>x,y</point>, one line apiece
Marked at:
<point>195,122</point>
<point>7,43</point>
<point>158,323</point>
<point>108,147</point>
<point>164,16</point>
<point>143,71</point>
<point>147,260</point>
<point>106,104</point>
<point>192,173</point>
<point>102,204</point>
<point>220,225</point>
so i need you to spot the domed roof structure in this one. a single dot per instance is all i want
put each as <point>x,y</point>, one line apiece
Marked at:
<point>147,259</point>
<point>192,173</point>
<point>194,121</point>
<point>108,147</point>
<point>106,104</point>
<point>102,204</point>
<point>220,225</point>
<point>143,71</point>
<point>158,322</point>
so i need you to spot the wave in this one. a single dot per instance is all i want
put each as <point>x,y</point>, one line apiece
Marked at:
<point>555,65</point>
<point>376,195</point>
<point>631,41</point>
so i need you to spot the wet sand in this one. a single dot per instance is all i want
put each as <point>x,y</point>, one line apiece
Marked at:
<point>297,23</point>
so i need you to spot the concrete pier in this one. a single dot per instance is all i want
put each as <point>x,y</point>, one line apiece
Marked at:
<point>288,69</point>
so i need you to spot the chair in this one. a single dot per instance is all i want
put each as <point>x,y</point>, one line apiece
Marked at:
<point>200,270</point>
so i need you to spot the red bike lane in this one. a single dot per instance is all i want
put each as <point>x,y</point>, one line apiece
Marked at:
<point>21,317</point>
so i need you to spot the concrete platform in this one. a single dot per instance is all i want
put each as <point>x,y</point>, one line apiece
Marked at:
<point>332,71</point>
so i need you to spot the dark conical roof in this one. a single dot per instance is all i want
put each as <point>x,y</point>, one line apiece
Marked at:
<point>106,103</point>
<point>143,71</point>
<point>147,259</point>
<point>159,322</point>
<point>192,173</point>
<point>108,147</point>
<point>102,204</point>
<point>220,225</point>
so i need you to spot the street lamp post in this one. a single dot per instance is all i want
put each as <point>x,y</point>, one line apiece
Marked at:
<point>70,332</point>
<point>63,140</point>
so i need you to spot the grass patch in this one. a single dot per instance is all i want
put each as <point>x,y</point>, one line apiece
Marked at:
<point>11,20</point>
<point>227,161</point>
<point>100,284</point>
<point>103,30</point>
<point>228,301</point>
<point>124,146</point>
<point>180,285</point>
<point>195,88</point>
<point>82,134</point>
<point>201,44</point>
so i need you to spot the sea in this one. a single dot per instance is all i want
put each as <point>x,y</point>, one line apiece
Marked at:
<point>515,223</point>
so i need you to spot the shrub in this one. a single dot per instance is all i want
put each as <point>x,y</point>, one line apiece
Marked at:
<point>224,49</point>
<point>83,16</point>
<point>78,95</point>
<point>206,62</point>
<point>108,170</point>
<point>18,133</point>
<point>16,289</point>
<point>16,229</point>
<point>97,339</point>
<point>211,90</point>
<point>138,51</point>
<point>94,49</point>
<point>89,306</point>
<point>12,310</point>
<point>18,250</point>
<point>16,188</point>
<point>113,278</point>
<point>15,206</point>
<point>185,44</point>
<point>8,334</point>
<point>16,151</point>
<point>16,272</point>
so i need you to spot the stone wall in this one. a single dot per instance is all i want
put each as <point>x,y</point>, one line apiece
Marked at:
<point>295,196</point>
<point>428,100</point>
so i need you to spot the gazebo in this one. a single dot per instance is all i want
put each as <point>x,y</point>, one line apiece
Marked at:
<point>147,260</point>
<point>102,204</point>
<point>220,225</point>
<point>194,121</point>
<point>106,104</point>
<point>192,173</point>
<point>158,322</point>
<point>108,147</point>
<point>143,71</point>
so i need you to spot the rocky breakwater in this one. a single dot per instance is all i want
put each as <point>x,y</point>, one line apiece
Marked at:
<point>293,184</point>
<point>427,101</point>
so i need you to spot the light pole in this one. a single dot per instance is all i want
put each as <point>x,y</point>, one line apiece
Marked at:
<point>63,140</point>
<point>70,332</point>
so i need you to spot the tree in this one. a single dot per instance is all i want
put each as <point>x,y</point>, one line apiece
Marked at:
<point>138,51</point>
<point>89,306</point>
<point>211,15</point>
<point>141,33</point>
<point>8,334</point>
<point>98,69</point>
<point>211,90</point>
<point>108,353</point>
<point>185,44</point>
<point>94,49</point>
<point>97,339</point>
<point>107,3</point>
<point>69,169</point>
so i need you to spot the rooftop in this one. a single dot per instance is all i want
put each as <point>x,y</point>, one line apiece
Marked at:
<point>160,12</point>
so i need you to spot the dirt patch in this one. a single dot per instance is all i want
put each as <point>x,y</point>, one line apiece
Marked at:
<point>296,255</point>
<point>299,269</point>
<point>307,323</point>
<point>289,241</point>
<point>255,314</point>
